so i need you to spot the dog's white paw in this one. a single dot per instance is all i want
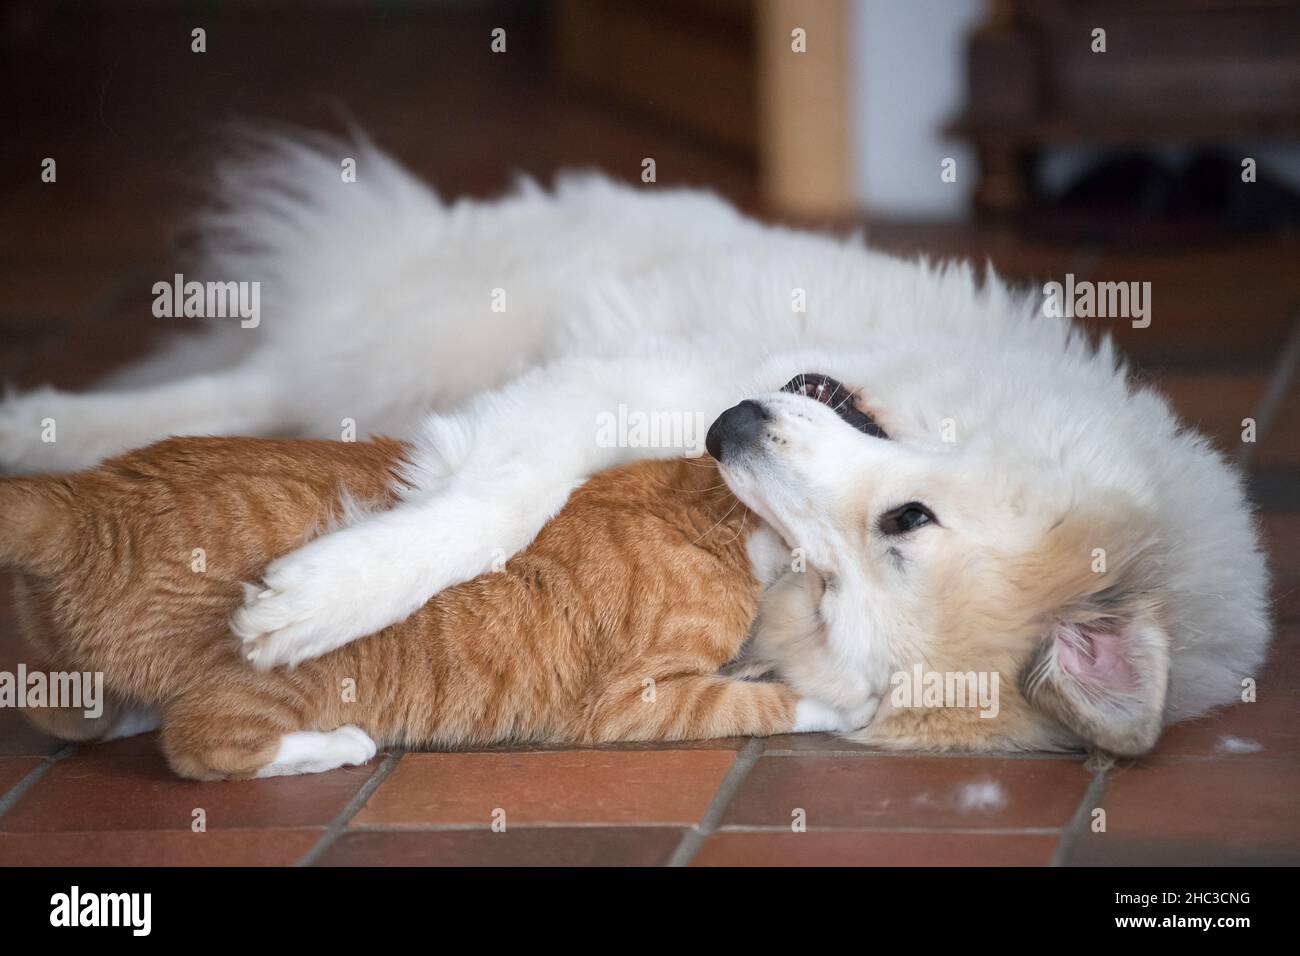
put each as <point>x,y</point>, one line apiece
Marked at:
<point>291,617</point>
<point>360,579</point>
<point>333,590</point>
<point>313,751</point>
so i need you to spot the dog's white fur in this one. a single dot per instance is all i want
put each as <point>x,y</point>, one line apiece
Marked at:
<point>377,306</point>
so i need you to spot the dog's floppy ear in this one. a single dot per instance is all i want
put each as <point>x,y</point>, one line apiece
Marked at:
<point>1105,681</point>
<point>1102,665</point>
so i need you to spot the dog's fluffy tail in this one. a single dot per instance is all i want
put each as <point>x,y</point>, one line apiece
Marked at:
<point>306,213</point>
<point>37,523</point>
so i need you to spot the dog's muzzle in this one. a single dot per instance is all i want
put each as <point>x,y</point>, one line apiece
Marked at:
<point>740,426</point>
<point>737,428</point>
<point>838,397</point>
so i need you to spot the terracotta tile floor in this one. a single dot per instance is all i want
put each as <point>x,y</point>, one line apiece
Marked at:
<point>1223,344</point>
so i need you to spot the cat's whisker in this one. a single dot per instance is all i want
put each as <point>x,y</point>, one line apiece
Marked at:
<point>718,523</point>
<point>744,527</point>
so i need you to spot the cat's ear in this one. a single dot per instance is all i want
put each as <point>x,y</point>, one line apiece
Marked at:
<point>1100,666</point>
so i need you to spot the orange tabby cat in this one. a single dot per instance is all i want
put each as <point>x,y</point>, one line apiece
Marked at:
<point>611,626</point>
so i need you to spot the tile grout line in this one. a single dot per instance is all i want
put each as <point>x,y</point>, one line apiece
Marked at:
<point>1271,401</point>
<point>17,791</point>
<point>893,828</point>
<point>463,827</point>
<point>733,828</point>
<point>353,807</point>
<point>694,837</point>
<point>858,754</point>
<point>1074,829</point>
<point>1043,756</point>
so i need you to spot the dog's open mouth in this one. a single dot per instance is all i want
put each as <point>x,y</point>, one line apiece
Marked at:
<point>841,400</point>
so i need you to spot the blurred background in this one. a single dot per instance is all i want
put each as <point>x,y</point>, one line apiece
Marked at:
<point>1047,137</point>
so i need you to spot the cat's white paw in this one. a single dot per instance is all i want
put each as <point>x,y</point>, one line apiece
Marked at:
<point>353,745</point>
<point>813,716</point>
<point>859,717</point>
<point>313,751</point>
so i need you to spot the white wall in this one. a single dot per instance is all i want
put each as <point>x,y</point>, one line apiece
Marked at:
<point>909,58</point>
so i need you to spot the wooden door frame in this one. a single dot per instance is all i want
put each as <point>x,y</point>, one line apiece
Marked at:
<point>806,154</point>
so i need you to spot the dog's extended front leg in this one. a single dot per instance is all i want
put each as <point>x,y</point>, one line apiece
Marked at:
<point>485,480</point>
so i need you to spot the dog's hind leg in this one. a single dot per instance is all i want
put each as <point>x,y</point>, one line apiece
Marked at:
<point>50,430</point>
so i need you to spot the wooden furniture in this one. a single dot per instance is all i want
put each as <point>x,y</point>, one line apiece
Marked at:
<point>1181,71</point>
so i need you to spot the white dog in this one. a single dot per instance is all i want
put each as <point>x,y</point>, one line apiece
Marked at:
<point>1030,513</point>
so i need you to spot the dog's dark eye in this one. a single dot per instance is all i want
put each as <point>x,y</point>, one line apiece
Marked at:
<point>906,518</point>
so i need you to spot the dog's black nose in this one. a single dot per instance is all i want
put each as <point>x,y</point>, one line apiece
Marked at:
<point>736,427</point>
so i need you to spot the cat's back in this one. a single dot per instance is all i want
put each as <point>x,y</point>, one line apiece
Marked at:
<point>247,499</point>
<point>156,545</point>
<point>264,467</point>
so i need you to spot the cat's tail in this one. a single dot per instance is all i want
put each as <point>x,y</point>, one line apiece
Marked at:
<point>38,527</point>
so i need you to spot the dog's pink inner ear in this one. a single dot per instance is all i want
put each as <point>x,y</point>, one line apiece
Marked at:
<point>1105,681</point>
<point>1098,657</point>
